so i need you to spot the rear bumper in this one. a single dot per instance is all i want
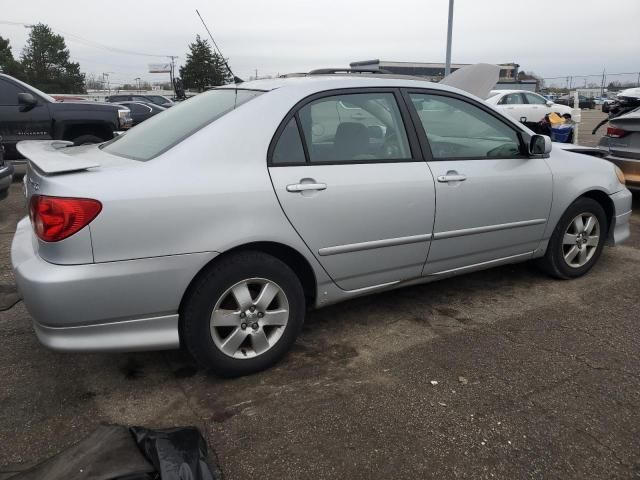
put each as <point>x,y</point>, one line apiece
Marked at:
<point>153,333</point>
<point>620,228</point>
<point>111,306</point>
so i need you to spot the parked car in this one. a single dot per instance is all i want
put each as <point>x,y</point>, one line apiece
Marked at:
<point>28,113</point>
<point>6,175</point>
<point>141,111</point>
<point>301,192</point>
<point>583,102</point>
<point>622,145</point>
<point>160,100</point>
<point>525,106</point>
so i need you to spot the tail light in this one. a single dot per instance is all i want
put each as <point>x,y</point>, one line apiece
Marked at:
<point>614,132</point>
<point>56,218</point>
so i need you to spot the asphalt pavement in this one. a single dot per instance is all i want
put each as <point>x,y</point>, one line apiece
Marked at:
<point>498,374</point>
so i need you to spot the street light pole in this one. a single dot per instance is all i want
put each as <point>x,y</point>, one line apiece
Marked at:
<point>447,66</point>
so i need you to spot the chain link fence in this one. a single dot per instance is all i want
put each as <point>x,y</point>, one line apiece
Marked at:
<point>595,85</point>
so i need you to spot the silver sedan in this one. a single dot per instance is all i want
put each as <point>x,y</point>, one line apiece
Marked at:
<point>215,225</point>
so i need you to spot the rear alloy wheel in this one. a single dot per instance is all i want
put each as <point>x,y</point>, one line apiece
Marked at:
<point>249,318</point>
<point>577,241</point>
<point>243,314</point>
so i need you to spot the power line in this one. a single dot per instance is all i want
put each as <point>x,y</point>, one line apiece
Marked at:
<point>88,42</point>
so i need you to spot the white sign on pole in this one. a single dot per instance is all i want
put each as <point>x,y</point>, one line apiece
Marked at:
<point>159,68</point>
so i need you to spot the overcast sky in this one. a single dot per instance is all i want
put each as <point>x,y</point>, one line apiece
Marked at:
<point>550,37</point>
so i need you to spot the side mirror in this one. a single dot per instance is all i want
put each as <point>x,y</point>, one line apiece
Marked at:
<point>549,103</point>
<point>540,145</point>
<point>27,101</point>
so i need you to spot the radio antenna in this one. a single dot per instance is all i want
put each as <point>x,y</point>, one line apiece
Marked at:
<point>235,79</point>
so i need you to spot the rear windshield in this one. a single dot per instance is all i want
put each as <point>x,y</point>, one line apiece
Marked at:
<point>161,132</point>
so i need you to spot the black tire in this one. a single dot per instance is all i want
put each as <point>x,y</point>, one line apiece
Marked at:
<point>211,287</point>
<point>87,140</point>
<point>554,262</point>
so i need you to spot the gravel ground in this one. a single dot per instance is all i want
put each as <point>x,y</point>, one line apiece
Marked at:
<point>499,374</point>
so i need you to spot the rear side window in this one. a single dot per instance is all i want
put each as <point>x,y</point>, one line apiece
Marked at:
<point>356,127</point>
<point>511,99</point>
<point>161,132</point>
<point>289,148</point>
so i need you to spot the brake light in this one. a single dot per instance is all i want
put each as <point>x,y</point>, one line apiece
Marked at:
<point>56,218</point>
<point>614,132</point>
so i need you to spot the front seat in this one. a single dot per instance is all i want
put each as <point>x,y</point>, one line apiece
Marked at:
<point>351,141</point>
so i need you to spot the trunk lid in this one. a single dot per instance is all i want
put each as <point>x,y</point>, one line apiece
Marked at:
<point>50,158</point>
<point>58,169</point>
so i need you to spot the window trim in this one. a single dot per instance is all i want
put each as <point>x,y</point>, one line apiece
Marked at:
<point>422,135</point>
<point>405,116</point>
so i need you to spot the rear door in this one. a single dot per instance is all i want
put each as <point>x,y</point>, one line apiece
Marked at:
<point>492,200</point>
<point>351,179</point>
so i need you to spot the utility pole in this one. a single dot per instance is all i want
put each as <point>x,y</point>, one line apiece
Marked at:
<point>106,75</point>
<point>137,79</point>
<point>256,74</point>
<point>171,73</point>
<point>604,81</point>
<point>447,65</point>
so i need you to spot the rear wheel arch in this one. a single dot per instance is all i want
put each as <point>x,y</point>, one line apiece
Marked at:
<point>288,255</point>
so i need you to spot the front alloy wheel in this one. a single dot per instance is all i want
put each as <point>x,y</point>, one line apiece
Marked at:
<point>581,240</point>
<point>577,241</point>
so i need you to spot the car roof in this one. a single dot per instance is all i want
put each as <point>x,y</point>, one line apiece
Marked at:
<point>499,92</point>
<point>321,82</point>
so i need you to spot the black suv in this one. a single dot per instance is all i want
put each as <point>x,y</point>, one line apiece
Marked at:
<point>26,113</point>
<point>159,100</point>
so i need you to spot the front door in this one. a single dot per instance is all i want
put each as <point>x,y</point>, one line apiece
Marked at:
<point>20,122</point>
<point>351,179</point>
<point>492,200</point>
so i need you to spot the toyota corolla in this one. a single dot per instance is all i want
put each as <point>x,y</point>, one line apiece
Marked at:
<point>217,224</point>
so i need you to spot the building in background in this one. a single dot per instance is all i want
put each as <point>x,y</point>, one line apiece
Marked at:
<point>434,72</point>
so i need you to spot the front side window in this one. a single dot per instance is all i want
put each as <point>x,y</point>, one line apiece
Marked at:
<point>534,99</point>
<point>353,128</point>
<point>9,93</point>
<point>161,132</point>
<point>457,129</point>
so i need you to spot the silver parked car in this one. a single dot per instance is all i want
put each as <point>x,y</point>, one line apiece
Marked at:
<point>215,225</point>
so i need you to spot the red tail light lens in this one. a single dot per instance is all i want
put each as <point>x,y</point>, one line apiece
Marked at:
<point>615,132</point>
<point>56,218</point>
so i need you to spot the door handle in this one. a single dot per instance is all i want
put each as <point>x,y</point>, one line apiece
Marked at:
<point>452,178</point>
<point>305,187</point>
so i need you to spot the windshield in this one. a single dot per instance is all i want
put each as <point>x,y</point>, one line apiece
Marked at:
<point>40,93</point>
<point>165,130</point>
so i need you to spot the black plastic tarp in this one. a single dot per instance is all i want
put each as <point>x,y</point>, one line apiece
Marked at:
<point>116,452</point>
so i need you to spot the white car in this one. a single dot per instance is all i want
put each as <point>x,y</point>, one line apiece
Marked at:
<point>525,106</point>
